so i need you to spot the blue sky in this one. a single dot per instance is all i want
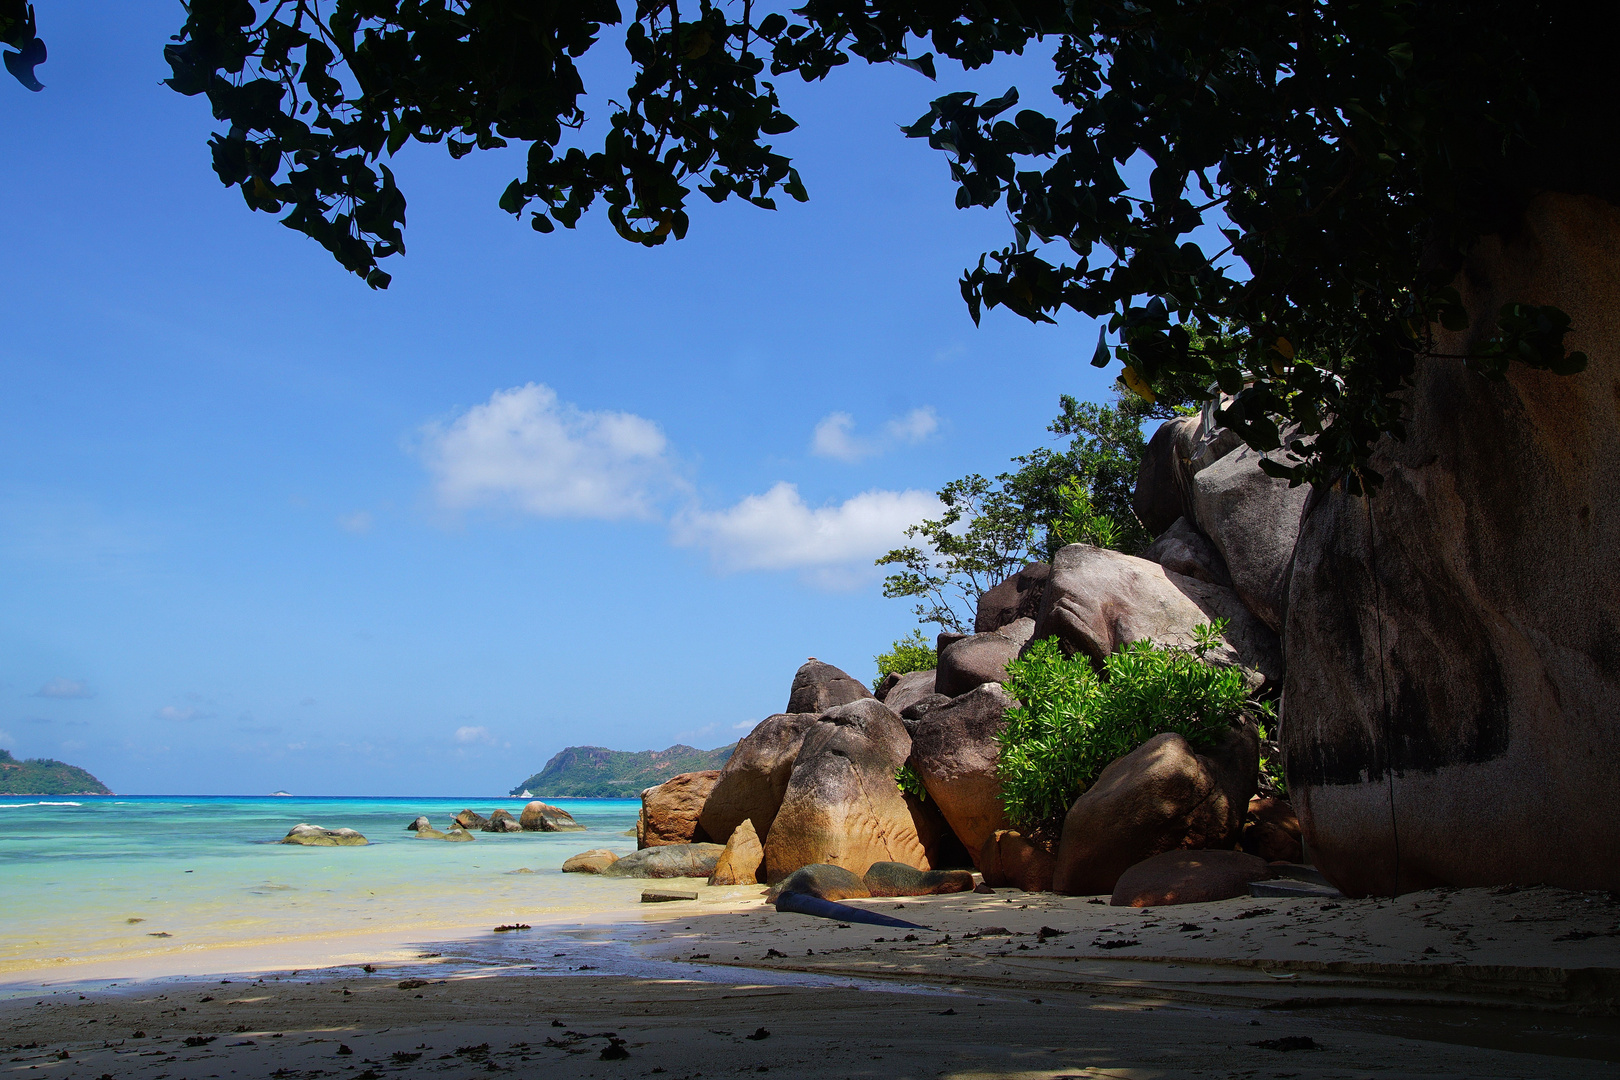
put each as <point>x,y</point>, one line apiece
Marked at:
<point>262,527</point>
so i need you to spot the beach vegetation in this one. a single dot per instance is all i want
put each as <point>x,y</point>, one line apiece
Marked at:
<point>1072,719</point>
<point>911,653</point>
<point>990,529</point>
<point>909,783</point>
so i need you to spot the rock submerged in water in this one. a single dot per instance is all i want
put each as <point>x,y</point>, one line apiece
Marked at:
<point>428,832</point>
<point>589,862</point>
<point>668,861</point>
<point>421,822</point>
<point>469,820</point>
<point>458,835</point>
<point>502,821</point>
<point>315,836</point>
<point>543,817</point>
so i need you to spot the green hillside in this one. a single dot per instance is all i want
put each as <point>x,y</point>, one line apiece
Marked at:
<point>42,776</point>
<point>593,772</point>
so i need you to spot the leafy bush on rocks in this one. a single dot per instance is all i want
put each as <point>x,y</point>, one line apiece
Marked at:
<point>910,653</point>
<point>1073,721</point>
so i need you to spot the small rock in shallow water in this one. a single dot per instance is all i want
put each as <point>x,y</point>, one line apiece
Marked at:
<point>315,836</point>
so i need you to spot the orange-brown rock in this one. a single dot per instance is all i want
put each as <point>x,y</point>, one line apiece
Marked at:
<point>740,863</point>
<point>1271,831</point>
<point>669,812</point>
<point>841,806</point>
<point>754,779</point>
<point>543,817</point>
<point>1188,877</point>
<point>1010,859</point>
<point>1161,796</point>
<point>954,750</point>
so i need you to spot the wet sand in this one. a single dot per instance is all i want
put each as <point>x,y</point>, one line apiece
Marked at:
<point>1444,983</point>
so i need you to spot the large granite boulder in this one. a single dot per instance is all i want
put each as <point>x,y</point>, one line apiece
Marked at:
<point>907,690</point>
<point>1019,597</point>
<point>669,811</point>
<point>1098,601</point>
<point>670,860</point>
<point>755,777</point>
<point>1253,520</point>
<point>1189,877</point>
<point>841,805</point>
<point>821,880</point>
<point>1186,551</point>
<point>954,751</point>
<point>314,836</point>
<point>543,817</point>
<point>980,658</point>
<point>1180,448</point>
<point>594,861</point>
<point>1452,704</point>
<point>1008,858</point>
<point>1161,796</point>
<point>740,863</point>
<point>501,821</point>
<point>818,687</point>
<point>898,879</point>
<point>471,820</point>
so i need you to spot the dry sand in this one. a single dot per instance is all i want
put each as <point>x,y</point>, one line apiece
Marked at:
<point>1446,983</point>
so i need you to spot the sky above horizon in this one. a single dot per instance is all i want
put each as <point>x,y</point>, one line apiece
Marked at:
<point>264,528</point>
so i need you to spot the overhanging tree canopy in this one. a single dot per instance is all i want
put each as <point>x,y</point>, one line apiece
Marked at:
<point>1318,168</point>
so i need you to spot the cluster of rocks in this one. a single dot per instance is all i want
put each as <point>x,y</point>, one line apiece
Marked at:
<point>810,796</point>
<point>536,817</point>
<point>1445,656</point>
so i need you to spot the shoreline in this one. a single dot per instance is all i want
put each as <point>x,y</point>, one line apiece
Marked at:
<point>991,991</point>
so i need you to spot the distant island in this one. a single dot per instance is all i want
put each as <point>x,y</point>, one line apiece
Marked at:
<point>43,776</point>
<point>594,772</point>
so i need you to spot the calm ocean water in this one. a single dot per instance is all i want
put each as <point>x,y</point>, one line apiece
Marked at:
<point>84,878</point>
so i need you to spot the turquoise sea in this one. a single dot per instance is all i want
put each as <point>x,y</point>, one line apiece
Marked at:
<point>133,879</point>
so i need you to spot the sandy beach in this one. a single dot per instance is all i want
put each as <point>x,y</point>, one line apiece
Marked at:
<point>1476,982</point>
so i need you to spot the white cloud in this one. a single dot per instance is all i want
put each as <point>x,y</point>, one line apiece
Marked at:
<point>527,450</point>
<point>778,531</point>
<point>835,437</point>
<point>357,522</point>
<point>65,688</point>
<point>171,712</point>
<point>469,735</point>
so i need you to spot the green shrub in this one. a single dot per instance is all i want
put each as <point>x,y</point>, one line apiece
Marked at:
<point>911,653</point>
<point>1072,721</point>
<point>909,783</point>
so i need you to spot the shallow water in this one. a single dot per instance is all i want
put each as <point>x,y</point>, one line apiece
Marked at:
<point>99,878</point>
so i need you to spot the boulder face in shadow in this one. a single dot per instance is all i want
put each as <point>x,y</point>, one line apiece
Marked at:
<point>1161,796</point>
<point>754,779</point>
<point>908,689</point>
<point>1253,521</point>
<point>842,806</point>
<point>818,687</point>
<point>1452,705</point>
<point>1186,551</point>
<point>954,751</point>
<point>1019,597</point>
<point>980,658</point>
<point>1098,601</point>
